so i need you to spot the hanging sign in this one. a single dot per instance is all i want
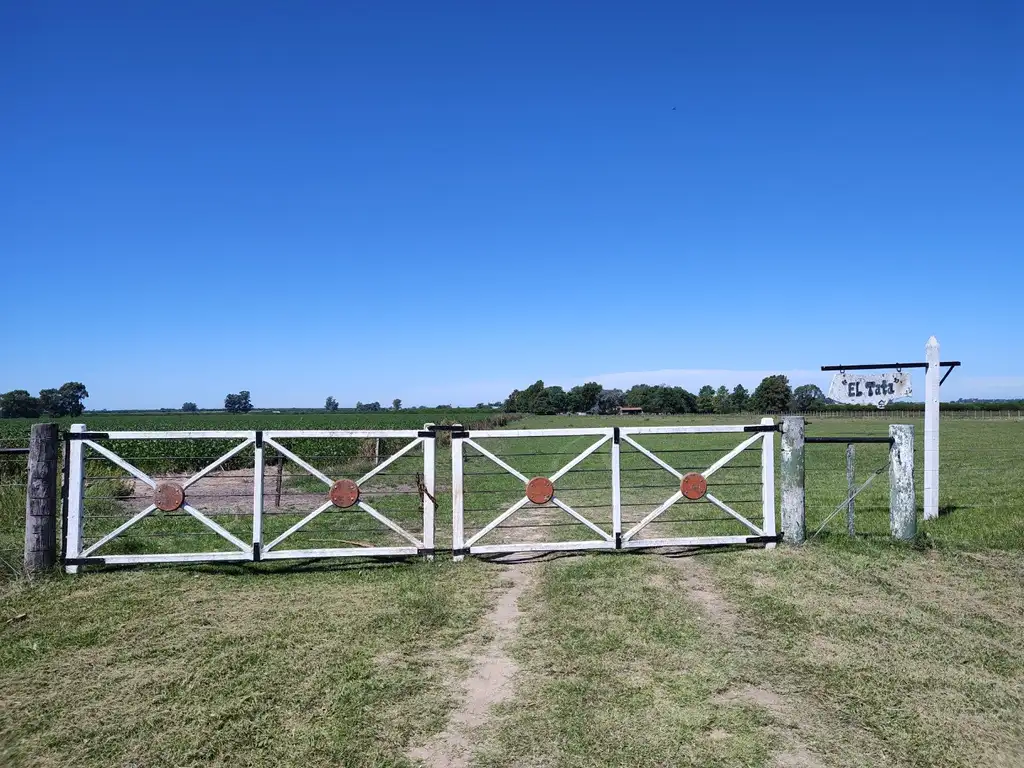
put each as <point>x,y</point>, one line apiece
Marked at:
<point>876,389</point>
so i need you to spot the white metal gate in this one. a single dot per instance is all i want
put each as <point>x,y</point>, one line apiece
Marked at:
<point>177,510</point>
<point>619,460</point>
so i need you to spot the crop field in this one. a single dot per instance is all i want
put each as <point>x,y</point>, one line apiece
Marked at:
<point>845,652</point>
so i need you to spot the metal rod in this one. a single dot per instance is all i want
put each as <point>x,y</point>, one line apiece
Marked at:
<point>848,440</point>
<point>15,451</point>
<point>879,366</point>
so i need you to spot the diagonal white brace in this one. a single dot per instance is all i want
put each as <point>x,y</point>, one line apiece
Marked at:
<point>639,526</point>
<point>731,455</point>
<point>131,469</point>
<point>390,524</point>
<point>118,531</point>
<point>497,521</point>
<point>568,467</point>
<point>652,457</point>
<point>726,508</point>
<point>319,510</point>
<point>301,462</point>
<point>210,467</point>
<point>394,457</point>
<point>216,528</point>
<point>582,519</point>
<point>511,470</point>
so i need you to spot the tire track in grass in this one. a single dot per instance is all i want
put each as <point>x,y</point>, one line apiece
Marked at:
<point>490,682</point>
<point>725,622</point>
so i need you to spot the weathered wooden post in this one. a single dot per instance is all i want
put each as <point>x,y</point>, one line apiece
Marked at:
<point>41,500</point>
<point>902,511</point>
<point>851,486</point>
<point>794,508</point>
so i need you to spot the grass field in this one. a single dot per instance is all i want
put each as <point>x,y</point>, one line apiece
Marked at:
<point>845,652</point>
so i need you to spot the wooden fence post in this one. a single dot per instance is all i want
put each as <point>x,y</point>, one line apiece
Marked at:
<point>902,505</point>
<point>794,507</point>
<point>41,500</point>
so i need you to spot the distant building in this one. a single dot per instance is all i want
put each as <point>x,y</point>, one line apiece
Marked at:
<point>627,410</point>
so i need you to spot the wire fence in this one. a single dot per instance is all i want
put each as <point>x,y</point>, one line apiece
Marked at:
<point>13,477</point>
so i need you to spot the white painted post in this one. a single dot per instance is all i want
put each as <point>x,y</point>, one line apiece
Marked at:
<point>616,492</point>
<point>76,499</point>
<point>931,430</point>
<point>794,502</point>
<point>257,495</point>
<point>768,481</point>
<point>429,472</point>
<point>902,501</point>
<point>458,536</point>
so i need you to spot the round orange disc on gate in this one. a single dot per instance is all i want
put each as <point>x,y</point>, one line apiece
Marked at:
<point>540,490</point>
<point>344,493</point>
<point>693,486</point>
<point>168,497</point>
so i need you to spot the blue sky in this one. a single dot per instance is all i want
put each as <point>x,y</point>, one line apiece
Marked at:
<point>442,201</point>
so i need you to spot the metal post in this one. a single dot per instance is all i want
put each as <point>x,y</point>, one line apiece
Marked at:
<point>794,509</point>
<point>931,430</point>
<point>768,482</point>
<point>851,486</point>
<point>76,498</point>
<point>280,477</point>
<point>41,499</point>
<point>902,512</point>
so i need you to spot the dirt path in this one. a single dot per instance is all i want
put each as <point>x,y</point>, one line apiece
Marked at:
<point>725,621</point>
<point>490,681</point>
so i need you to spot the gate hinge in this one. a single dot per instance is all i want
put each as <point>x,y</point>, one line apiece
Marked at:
<point>763,428</point>
<point>764,539</point>
<point>84,561</point>
<point>86,436</point>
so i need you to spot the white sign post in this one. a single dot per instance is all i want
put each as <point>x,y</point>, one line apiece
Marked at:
<point>881,388</point>
<point>931,430</point>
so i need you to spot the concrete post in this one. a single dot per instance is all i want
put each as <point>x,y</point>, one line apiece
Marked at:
<point>794,507</point>
<point>902,503</point>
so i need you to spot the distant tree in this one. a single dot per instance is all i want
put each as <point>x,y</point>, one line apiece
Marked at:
<point>72,393</point>
<point>610,400</point>
<point>722,402</point>
<point>396,404</point>
<point>189,406</point>
<point>740,398</point>
<point>583,398</point>
<point>772,394</point>
<point>239,403</point>
<point>66,401</point>
<point>19,404</point>
<point>330,404</point>
<point>807,396</point>
<point>368,407</point>
<point>706,399</point>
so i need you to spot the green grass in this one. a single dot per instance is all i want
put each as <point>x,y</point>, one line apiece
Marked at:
<point>298,666</point>
<point>878,653</point>
<point>617,670</point>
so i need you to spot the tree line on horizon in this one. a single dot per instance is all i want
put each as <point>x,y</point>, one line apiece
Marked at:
<point>773,394</point>
<point>66,400</point>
